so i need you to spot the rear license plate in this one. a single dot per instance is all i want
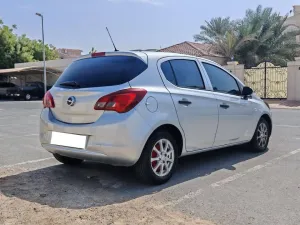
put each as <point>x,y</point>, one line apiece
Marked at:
<point>68,140</point>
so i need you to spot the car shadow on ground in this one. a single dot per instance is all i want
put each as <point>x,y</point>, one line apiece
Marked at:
<point>92,184</point>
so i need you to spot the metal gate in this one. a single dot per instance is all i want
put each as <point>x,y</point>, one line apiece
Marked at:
<point>267,80</point>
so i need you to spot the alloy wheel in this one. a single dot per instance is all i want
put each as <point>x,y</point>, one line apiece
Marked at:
<point>162,157</point>
<point>262,135</point>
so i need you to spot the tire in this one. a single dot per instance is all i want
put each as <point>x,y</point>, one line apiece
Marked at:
<point>260,139</point>
<point>152,172</point>
<point>67,160</point>
<point>28,97</point>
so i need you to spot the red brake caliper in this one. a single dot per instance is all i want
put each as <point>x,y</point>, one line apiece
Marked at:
<point>154,155</point>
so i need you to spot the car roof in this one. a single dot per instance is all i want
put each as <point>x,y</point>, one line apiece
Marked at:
<point>159,55</point>
<point>152,55</point>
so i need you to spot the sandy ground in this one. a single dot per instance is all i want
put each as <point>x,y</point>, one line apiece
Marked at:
<point>16,211</point>
<point>141,210</point>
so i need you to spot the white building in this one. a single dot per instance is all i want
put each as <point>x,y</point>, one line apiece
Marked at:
<point>294,21</point>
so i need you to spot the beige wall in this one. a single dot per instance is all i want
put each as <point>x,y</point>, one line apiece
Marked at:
<point>293,86</point>
<point>237,69</point>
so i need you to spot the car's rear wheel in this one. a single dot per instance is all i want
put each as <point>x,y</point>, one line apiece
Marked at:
<point>158,160</point>
<point>260,140</point>
<point>67,160</point>
<point>28,97</point>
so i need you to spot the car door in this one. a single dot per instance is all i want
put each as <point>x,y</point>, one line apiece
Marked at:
<point>234,111</point>
<point>39,90</point>
<point>2,89</point>
<point>196,107</point>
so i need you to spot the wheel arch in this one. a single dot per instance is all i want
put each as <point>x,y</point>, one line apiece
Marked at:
<point>268,119</point>
<point>174,131</point>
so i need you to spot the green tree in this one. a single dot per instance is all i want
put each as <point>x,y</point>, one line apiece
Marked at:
<point>215,28</point>
<point>225,35</point>
<point>23,50</point>
<point>18,49</point>
<point>50,52</point>
<point>260,36</point>
<point>8,42</point>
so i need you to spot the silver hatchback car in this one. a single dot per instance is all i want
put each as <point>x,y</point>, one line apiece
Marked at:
<point>147,109</point>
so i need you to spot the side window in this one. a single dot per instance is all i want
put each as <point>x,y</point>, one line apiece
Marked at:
<point>183,73</point>
<point>168,72</point>
<point>11,85</point>
<point>187,74</point>
<point>221,81</point>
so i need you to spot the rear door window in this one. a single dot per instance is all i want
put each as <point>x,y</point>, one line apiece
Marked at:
<point>102,71</point>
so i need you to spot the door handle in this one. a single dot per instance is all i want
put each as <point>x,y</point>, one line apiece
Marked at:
<point>184,102</point>
<point>224,106</point>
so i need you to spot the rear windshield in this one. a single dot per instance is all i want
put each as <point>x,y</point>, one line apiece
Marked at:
<point>101,71</point>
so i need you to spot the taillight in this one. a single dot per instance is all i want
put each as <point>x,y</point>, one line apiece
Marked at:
<point>121,101</point>
<point>48,100</point>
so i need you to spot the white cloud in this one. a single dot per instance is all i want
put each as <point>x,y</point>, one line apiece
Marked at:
<point>151,2</point>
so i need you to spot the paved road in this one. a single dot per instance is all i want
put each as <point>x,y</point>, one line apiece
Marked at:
<point>228,186</point>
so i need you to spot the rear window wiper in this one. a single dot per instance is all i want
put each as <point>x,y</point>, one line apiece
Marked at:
<point>70,84</point>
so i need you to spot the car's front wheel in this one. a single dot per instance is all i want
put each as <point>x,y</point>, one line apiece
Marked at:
<point>67,160</point>
<point>260,140</point>
<point>159,159</point>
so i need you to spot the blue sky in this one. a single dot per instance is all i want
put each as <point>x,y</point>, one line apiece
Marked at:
<point>133,24</point>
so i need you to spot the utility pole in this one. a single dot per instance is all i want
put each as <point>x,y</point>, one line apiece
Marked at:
<point>44,53</point>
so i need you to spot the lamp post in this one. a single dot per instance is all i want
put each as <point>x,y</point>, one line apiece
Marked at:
<point>44,54</point>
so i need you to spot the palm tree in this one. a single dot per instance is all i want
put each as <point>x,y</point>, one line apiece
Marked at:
<point>214,28</point>
<point>273,41</point>
<point>260,36</point>
<point>223,35</point>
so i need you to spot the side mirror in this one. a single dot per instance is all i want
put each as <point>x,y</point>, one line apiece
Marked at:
<point>247,91</point>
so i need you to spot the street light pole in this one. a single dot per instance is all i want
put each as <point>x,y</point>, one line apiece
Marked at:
<point>44,54</point>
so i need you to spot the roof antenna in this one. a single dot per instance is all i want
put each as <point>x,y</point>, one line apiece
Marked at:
<point>112,40</point>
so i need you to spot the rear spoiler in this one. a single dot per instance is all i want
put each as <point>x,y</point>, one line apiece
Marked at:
<point>141,55</point>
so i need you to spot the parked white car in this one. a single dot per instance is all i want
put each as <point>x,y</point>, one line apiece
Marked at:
<point>147,109</point>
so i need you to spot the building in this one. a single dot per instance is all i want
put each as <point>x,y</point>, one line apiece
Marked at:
<point>66,53</point>
<point>294,21</point>
<point>196,49</point>
<point>33,71</point>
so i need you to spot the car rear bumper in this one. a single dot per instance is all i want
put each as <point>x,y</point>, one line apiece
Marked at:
<point>116,139</point>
